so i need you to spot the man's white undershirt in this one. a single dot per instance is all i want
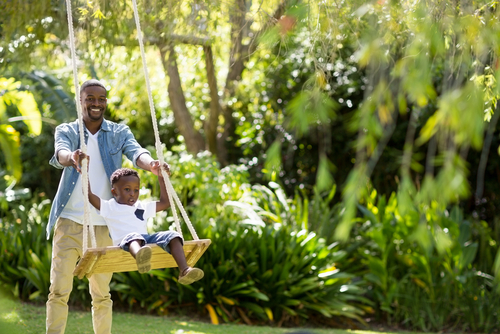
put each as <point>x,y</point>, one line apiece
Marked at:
<point>99,183</point>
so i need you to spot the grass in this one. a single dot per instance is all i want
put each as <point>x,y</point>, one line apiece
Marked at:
<point>22,318</point>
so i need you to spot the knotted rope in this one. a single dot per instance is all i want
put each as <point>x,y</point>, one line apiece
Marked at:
<point>87,223</point>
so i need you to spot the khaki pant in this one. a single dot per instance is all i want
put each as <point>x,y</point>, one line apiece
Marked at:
<point>66,250</point>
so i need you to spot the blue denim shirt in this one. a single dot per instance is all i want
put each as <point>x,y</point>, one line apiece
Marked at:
<point>113,140</point>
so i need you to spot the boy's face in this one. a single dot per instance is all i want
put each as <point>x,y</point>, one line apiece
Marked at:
<point>126,190</point>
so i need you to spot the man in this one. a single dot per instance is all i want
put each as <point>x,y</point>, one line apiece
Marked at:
<point>106,142</point>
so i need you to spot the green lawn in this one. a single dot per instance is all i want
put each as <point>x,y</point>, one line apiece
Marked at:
<point>16,317</point>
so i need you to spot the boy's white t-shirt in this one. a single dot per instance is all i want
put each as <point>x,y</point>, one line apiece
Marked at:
<point>123,219</point>
<point>99,183</point>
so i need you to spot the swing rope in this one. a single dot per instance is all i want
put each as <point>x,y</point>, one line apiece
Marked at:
<point>172,195</point>
<point>87,223</point>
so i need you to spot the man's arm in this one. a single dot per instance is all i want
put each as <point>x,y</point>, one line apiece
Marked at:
<point>139,156</point>
<point>68,159</point>
<point>144,161</point>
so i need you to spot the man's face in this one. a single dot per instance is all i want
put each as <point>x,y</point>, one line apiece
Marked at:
<point>94,103</point>
<point>126,190</point>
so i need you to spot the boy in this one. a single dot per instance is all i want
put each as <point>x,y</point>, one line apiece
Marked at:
<point>126,218</point>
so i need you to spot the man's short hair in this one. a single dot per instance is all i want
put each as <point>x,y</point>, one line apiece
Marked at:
<point>92,82</point>
<point>121,172</point>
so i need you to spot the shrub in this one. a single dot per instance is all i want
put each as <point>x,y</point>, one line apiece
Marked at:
<point>25,254</point>
<point>421,266</point>
<point>261,266</point>
<point>272,258</point>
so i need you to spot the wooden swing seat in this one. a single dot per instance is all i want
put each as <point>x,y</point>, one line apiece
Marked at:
<point>114,259</point>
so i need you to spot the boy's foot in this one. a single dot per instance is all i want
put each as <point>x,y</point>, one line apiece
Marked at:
<point>190,275</point>
<point>143,259</point>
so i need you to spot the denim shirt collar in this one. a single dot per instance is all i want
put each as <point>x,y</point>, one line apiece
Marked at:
<point>105,126</point>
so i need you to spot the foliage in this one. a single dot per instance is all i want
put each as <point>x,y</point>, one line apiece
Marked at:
<point>396,96</point>
<point>414,71</point>
<point>262,265</point>
<point>293,260</point>
<point>57,106</point>
<point>51,91</point>
<point>422,266</point>
<point>264,270</point>
<point>254,273</point>
<point>25,254</point>
<point>201,185</point>
<point>273,259</point>
<point>14,98</point>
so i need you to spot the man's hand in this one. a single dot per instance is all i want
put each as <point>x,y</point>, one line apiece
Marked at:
<point>155,167</point>
<point>76,159</point>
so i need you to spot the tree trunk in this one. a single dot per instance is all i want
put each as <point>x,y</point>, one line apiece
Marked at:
<point>238,57</point>
<point>213,119</point>
<point>236,67</point>
<point>194,140</point>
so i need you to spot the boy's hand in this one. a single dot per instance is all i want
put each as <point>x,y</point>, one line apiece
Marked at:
<point>155,167</point>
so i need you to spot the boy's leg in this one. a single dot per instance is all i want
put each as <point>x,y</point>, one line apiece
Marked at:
<point>177,253</point>
<point>134,247</point>
<point>66,249</point>
<point>135,244</point>
<point>172,243</point>
<point>102,305</point>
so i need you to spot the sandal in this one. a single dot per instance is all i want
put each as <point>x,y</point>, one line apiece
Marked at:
<point>143,259</point>
<point>190,275</point>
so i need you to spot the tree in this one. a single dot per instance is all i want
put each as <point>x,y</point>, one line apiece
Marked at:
<point>430,72</point>
<point>194,23</point>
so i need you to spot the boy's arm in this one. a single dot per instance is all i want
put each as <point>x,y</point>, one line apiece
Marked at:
<point>95,200</point>
<point>163,203</point>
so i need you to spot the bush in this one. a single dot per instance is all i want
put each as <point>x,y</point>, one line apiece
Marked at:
<point>422,267</point>
<point>272,258</point>
<point>25,254</point>
<point>261,266</point>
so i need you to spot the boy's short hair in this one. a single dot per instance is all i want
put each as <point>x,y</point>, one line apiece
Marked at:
<point>92,82</point>
<point>119,173</point>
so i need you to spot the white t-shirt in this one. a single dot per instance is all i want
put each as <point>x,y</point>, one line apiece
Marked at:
<point>123,219</point>
<point>99,183</point>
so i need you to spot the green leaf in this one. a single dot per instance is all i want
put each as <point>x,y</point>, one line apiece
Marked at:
<point>259,295</point>
<point>308,108</point>
<point>9,143</point>
<point>273,158</point>
<point>443,242</point>
<point>50,88</point>
<point>3,108</point>
<point>253,307</point>
<point>28,107</point>
<point>324,178</point>
<point>468,255</point>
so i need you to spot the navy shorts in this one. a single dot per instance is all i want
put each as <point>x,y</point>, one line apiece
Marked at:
<point>162,239</point>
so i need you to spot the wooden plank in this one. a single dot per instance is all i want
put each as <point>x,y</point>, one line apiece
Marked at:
<point>114,259</point>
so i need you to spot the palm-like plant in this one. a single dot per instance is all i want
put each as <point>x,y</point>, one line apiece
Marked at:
<point>12,96</point>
